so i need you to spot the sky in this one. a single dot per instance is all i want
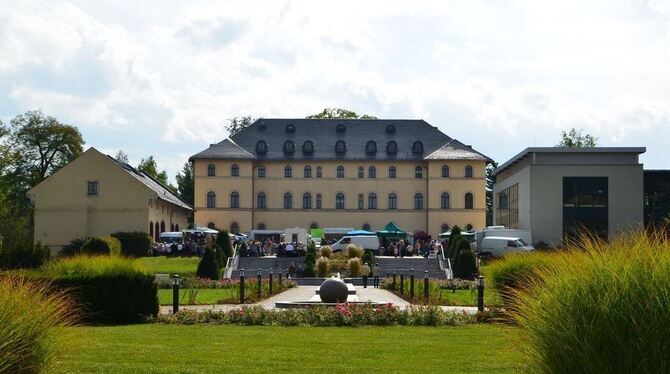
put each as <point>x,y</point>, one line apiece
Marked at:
<point>163,78</point>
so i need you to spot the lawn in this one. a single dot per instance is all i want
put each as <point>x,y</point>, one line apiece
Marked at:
<point>184,266</point>
<point>235,349</point>
<point>203,296</point>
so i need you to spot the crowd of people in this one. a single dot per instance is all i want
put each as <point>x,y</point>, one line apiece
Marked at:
<point>404,248</point>
<point>257,248</point>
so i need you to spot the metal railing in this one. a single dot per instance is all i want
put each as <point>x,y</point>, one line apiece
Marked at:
<point>231,263</point>
<point>445,264</point>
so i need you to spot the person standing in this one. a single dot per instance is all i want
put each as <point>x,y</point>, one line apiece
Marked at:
<point>375,275</point>
<point>291,270</point>
<point>365,272</point>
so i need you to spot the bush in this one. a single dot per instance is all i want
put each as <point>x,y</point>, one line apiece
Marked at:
<point>599,307</point>
<point>109,289</point>
<point>354,265</point>
<point>219,256</point>
<point>104,245</point>
<point>511,272</point>
<point>310,258</point>
<point>322,266</point>
<point>207,267</point>
<point>465,265</point>
<point>311,247</point>
<point>454,237</point>
<point>73,248</point>
<point>31,321</point>
<point>368,258</point>
<point>24,257</point>
<point>223,240</point>
<point>354,251</point>
<point>134,244</point>
<point>326,251</point>
<point>308,272</point>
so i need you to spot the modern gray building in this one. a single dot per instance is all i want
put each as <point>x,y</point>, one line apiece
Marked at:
<point>555,192</point>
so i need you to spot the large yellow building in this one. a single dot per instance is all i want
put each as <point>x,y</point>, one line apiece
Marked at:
<point>284,173</point>
<point>96,195</point>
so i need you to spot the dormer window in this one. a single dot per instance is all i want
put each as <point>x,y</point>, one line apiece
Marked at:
<point>289,147</point>
<point>261,125</point>
<point>290,128</point>
<point>392,147</point>
<point>261,147</point>
<point>341,128</point>
<point>340,147</point>
<point>308,147</point>
<point>371,147</point>
<point>390,129</point>
<point>417,147</point>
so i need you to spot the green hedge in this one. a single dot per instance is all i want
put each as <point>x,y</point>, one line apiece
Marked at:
<point>24,257</point>
<point>208,267</point>
<point>108,289</point>
<point>134,244</point>
<point>223,240</point>
<point>104,245</point>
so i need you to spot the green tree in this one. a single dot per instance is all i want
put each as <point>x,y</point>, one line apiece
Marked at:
<point>121,156</point>
<point>237,124</point>
<point>577,139</point>
<point>149,166</point>
<point>207,267</point>
<point>339,113</point>
<point>185,183</point>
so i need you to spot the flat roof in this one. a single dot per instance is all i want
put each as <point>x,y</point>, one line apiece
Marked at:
<point>521,155</point>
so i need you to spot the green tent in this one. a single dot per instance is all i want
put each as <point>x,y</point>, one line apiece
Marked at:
<point>391,231</point>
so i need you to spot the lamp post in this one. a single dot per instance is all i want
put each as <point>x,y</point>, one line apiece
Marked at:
<point>258,280</point>
<point>241,286</point>
<point>411,283</point>
<point>270,284</point>
<point>480,293</point>
<point>175,293</point>
<point>425,286</point>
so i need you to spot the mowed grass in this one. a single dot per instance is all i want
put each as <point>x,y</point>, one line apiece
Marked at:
<point>263,349</point>
<point>469,297</point>
<point>203,296</point>
<point>184,266</point>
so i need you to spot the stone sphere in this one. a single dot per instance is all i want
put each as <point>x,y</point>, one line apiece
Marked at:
<point>333,291</point>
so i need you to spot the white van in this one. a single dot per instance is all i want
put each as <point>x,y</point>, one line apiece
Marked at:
<point>364,241</point>
<point>497,246</point>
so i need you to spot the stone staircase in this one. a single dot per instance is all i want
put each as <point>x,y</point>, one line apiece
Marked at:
<point>276,264</point>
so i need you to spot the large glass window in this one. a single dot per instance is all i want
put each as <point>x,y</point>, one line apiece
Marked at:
<point>585,206</point>
<point>444,200</point>
<point>418,201</point>
<point>234,200</point>
<point>393,201</point>
<point>211,199</point>
<point>307,201</point>
<point>288,201</point>
<point>261,201</point>
<point>339,201</point>
<point>507,207</point>
<point>372,201</point>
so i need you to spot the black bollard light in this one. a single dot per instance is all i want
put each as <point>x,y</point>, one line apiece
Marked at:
<point>402,283</point>
<point>270,285</point>
<point>425,286</point>
<point>411,283</point>
<point>480,293</point>
<point>175,293</point>
<point>258,280</point>
<point>241,286</point>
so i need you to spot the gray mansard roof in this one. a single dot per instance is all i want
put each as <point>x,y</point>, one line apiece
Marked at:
<point>325,133</point>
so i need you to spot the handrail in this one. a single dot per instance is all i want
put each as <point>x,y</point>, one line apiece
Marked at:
<point>442,260</point>
<point>231,263</point>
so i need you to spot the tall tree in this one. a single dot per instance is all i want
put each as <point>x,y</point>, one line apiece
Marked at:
<point>490,167</point>
<point>121,156</point>
<point>339,113</point>
<point>238,124</point>
<point>576,139</point>
<point>149,166</point>
<point>185,183</point>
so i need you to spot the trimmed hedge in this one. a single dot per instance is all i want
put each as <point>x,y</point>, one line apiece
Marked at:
<point>24,257</point>
<point>134,244</point>
<point>223,241</point>
<point>73,248</point>
<point>110,290</point>
<point>104,245</point>
<point>208,267</point>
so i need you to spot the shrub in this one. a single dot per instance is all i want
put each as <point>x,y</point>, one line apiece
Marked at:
<point>223,240</point>
<point>109,289</point>
<point>326,251</point>
<point>134,244</point>
<point>354,265</point>
<point>28,257</point>
<point>322,266</point>
<point>311,247</point>
<point>599,307</point>
<point>512,271</point>
<point>354,251</point>
<point>31,321</point>
<point>310,258</point>
<point>309,270</point>
<point>219,256</point>
<point>368,258</point>
<point>73,248</point>
<point>104,245</point>
<point>465,265</point>
<point>207,267</point>
<point>454,237</point>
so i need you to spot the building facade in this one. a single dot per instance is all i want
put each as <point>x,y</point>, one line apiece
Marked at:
<point>96,195</point>
<point>282,173</point>
<point>560,192</point>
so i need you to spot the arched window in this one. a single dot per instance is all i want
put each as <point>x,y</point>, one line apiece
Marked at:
<point>392,172</point>
<point>307,172</point>
<point>444,200</point>
<point>307,201</point>
<point>340,128</point>
<point>318,201</point>
<point>261,201</point>
<point>445,171</point>
<point>157,231</point>
<point>418,201</point>
<point>393,201</point>
<point>366,227</point>
<point>372,172</point>
<point>314,225</point>
<point>289,147</point>
<point>361,202</point>
<point>418,172</point>
<point>162,226</point>
<point>417,147</point>
<point>339,201</point>
<point>390,129</point>
<point>234,170</point>
<point>261,226</point>
<point>371,147</point>
<point>234,228</point>
<point>288,171</point>
<point>261,171</point>
<point>340,146</point>
<point>340,171</point>
<point>290,129</point>
<point>151,228</point>
<point>372,201</point>
<point>211,199</point>
<point>392,147</point>
<point>308,147</point>
<point>468,171</point>
<point>361,172</point>
<point>211,170</point>
<point>318,171</point>
<point>234,200</point>
<point>469,201</point>
<point>172,227</point>
<point>444,228</point>
<point>211,225</point>
<point>288,201</point>
<point>261,147</point>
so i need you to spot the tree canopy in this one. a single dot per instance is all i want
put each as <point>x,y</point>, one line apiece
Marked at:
<point>121,156</point>
<point>237,124</point>
<point>185,183</point>
<point>577,139</point>
<point>339,113</point>
<point>149,166</point>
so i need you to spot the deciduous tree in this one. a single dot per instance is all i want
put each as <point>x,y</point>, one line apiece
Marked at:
<point>339,113</point>
<point>577,139</point>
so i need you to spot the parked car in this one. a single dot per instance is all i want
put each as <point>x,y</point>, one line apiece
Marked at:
<point>498,246</point>
<point>364,241</point>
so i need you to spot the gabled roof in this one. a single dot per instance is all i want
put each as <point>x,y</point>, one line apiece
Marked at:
<point>226,149</point>
<point>455,150</point>
<point>161,191</point>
